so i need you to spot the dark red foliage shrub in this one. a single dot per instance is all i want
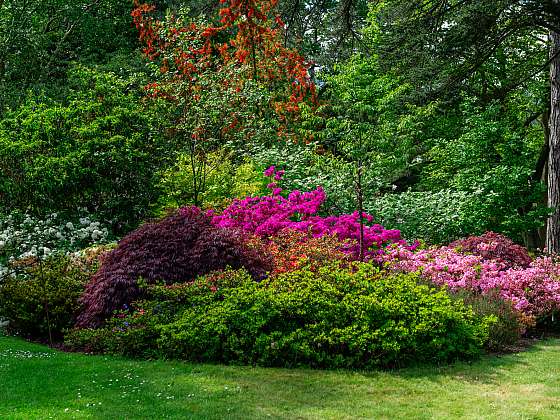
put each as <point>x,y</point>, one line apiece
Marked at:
<point>493,246</point>
<point>176,249</point>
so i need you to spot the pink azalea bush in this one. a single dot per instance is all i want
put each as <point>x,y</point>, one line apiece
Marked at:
<point>266,216</point>
<point>533,289</point>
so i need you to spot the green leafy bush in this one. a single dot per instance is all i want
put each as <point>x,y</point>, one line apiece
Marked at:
<point>435,217</point>
<point>42,300</point>
<point>439,217</point>
<point>510,324</point>
<point>355,317</point>
<point>98,149</point>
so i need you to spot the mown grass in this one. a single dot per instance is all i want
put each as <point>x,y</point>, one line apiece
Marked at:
<point>40,383</point>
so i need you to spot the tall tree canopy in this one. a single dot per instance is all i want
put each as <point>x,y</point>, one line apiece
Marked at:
<point>488,49</point>
<point>39,38</point>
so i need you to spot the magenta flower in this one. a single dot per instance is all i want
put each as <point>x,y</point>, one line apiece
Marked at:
<point>266,216</point>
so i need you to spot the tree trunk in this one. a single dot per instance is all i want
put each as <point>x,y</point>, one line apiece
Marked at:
<point>360,197</point>
<point>553,225</point>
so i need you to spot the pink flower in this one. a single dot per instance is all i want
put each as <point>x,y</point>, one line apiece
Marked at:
<point>269,171</point>
<point>533,289</point>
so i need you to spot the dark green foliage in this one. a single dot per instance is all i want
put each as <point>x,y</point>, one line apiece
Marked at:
<point>42,300</point>
<point>334,318</point>
<point>485,64</point>
<point>485,47</point>
<point>40,38</point>
<point>490,155</point>
<point>328,32</point>
<point>98,150</point>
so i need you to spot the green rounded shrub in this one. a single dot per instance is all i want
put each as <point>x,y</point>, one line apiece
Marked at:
<point>336,317</point>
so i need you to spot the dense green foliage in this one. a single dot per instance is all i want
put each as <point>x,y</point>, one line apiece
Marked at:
<point>98,149</point>
<point>224,179</point>
<point>334,317</point>
<point>486,63</point>
<point>39,39</point>
<point>42,300</point>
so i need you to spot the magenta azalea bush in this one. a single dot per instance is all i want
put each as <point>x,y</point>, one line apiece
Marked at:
<point>266,216</point>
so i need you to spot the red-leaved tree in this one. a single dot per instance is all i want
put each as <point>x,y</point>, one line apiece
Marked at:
<point>225,82</point>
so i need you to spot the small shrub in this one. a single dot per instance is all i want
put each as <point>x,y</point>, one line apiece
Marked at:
<point>335,317</point>
<point>493,246</point>
<point>42,300</point>
<point>510,324</point>
<point>175,249</point>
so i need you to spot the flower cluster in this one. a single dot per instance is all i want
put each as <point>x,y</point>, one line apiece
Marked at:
<point>533,288</point>
<point>266,216</point>
<point>25,236</point>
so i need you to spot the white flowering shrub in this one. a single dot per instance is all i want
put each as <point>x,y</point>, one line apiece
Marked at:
<point>23,236</point>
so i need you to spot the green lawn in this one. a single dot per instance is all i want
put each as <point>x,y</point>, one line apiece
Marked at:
<point>40,383</point>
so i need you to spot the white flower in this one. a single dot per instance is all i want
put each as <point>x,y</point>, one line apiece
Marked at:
<point>69,226</point>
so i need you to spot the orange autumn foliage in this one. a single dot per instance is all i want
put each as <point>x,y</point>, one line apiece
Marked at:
<point>246,45</point>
